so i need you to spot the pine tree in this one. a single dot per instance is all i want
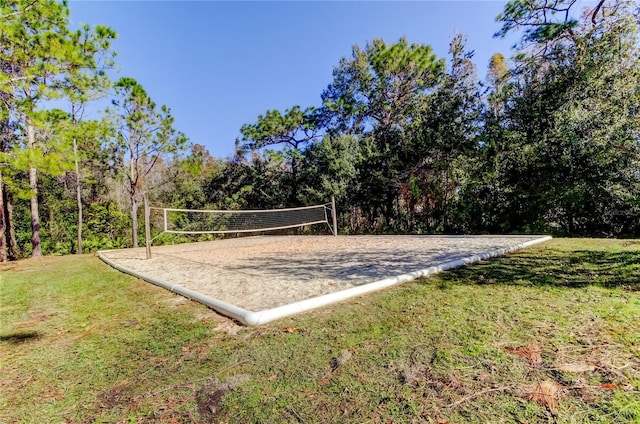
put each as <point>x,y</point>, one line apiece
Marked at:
<point>38,52</point>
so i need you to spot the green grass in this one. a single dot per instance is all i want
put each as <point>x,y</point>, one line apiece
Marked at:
<point>81,342</point>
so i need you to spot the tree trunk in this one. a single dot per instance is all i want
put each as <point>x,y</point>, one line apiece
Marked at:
<point>445,200</point>
<point>5,224</point>
<point>134,219</point>
<point>3,229</point>
<point>133,191</point>
<point>294,178</point>
<point>9,232</point>
<point>78,195</point>
<point>36,248</point>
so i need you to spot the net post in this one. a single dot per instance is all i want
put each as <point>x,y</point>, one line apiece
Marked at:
<point>147,225</point>
<point>164,216</point>
<point>333,216</point>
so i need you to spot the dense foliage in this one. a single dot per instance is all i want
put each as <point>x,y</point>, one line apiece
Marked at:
<point>404,140</point>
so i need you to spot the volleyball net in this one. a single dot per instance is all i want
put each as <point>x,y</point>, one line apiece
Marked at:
<point>204,221</point>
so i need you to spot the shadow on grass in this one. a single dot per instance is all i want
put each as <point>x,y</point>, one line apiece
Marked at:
<point>18,337</point>
<point>572,269</point>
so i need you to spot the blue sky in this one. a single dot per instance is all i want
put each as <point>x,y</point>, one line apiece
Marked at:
<point>218,65</point>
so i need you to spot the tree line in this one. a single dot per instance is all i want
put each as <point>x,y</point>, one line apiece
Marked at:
<point>406,141</point>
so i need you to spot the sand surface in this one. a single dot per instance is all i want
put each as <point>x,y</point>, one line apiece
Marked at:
<point>258,273</point>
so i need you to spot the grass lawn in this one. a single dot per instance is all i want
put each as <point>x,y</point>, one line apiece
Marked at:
<point>548,334</point>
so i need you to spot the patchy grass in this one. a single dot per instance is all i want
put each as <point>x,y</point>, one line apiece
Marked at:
<point>548,334</point>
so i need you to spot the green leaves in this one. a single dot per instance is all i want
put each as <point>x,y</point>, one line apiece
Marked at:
<point>40,52</point>
<point>569,114</point>
<point>542,21</point>
<point>141,132</point>
<point>398,58</point>
<point>381,84</point>
<point>42,59</point>
<point>142,139</point>
<point>293,127</point>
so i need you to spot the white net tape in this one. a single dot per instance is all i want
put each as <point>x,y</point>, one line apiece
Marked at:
<point>194,221</point>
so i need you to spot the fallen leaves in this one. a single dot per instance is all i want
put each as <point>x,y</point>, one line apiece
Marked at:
<point>532,352</point>
<point>545,393</point>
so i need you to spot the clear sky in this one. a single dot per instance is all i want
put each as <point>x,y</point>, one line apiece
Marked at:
<point>218,65</point>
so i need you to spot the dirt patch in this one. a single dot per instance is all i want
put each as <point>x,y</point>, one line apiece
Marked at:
<point>119,394</point>
<point>230,327</point>
<point>209,397</point>
<point>18,337</point>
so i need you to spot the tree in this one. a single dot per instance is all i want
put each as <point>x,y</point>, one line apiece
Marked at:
<point>375,95</point>
<point>8,245</point>
<point>380,85</point>
<point>84,83</point>
<point>329,170</point>
<point>240,183</point>
<point>484,194</point>
<point>497,79</point>
<point>543,22</point>
<point>37,51</point>
<point>443,139</point>
<point>293,129</point>
<point>572,120</point>
<point>142,138</point>
<point>192,174</point>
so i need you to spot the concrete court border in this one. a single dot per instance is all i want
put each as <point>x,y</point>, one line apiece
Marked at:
<point>255,318</point>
